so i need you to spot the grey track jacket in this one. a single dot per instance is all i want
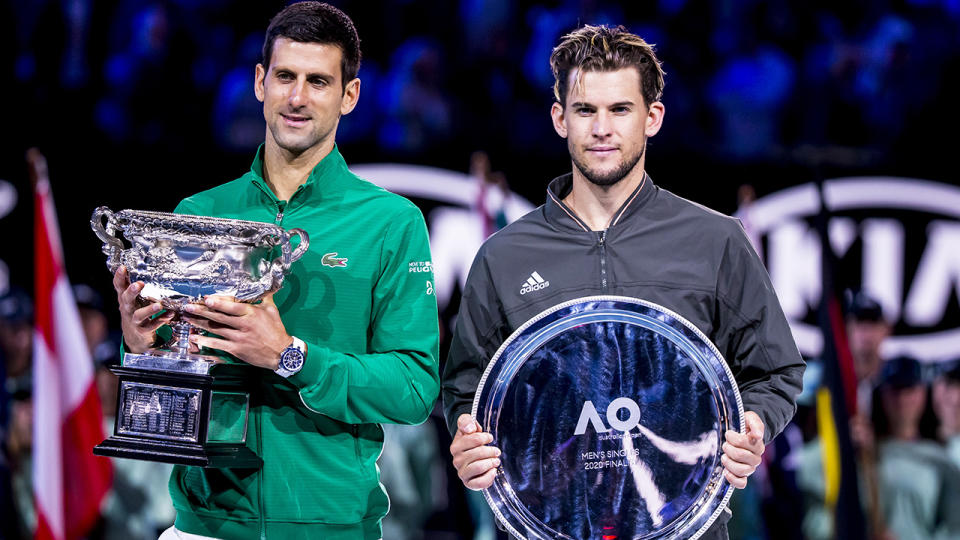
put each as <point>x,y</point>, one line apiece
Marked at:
<point>659,247</point>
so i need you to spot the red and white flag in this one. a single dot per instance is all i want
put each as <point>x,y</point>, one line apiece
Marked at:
<point>69,482</point>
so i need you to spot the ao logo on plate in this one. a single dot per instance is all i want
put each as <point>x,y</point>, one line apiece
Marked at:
<point>589,415</point>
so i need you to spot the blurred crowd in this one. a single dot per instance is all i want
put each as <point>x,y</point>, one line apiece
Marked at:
<point>746,78</point>
<point>905,436</point>
<point>138,506</point>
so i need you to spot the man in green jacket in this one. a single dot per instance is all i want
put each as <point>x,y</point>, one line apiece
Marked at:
<point>358,309</point>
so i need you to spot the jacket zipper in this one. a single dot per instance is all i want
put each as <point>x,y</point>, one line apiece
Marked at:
<point>282,205</point>
<point>601,241</point>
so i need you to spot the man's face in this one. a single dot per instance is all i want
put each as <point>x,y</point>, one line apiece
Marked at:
<point>16,344</point>
<point>904,406</point>
<point>865,338</point>
<point>606,123</point>
<point>95,326</point>
<point>303,95</point>
<point>946,404</point>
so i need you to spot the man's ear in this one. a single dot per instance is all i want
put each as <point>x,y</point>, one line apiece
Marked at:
<point>351,94</point>
<point>556,113</point>
<point>654,119</point>
<point>260,73</point>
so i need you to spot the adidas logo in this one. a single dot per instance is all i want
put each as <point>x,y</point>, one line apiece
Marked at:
<point>534,283</point>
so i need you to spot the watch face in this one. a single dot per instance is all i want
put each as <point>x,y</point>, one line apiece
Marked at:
<point>291,359</point>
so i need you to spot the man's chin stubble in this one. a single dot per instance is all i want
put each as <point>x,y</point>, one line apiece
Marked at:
<point>295,149</point>
<point>610,178</point>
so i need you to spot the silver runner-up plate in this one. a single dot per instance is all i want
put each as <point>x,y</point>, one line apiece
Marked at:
<point>610,414</point>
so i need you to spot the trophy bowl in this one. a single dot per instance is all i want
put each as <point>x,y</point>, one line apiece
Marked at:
<point>173,405</point>
<point>181,259</point>
<point>610,414</point>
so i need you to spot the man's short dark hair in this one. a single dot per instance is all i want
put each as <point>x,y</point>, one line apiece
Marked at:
<point>316,22</point>
<point>603,48</point>
<point>861,306</point>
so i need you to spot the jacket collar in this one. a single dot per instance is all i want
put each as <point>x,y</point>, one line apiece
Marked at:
<point>563,217</point>
<point>323,179</point>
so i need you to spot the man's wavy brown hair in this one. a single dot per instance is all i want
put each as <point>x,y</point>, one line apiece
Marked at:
<point>601,48</point>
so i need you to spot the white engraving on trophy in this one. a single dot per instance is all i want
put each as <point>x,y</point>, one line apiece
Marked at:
<point>689,452</point>
<point>158,412</point>
<point>686,452</point>
<point>646,486</point>
<point>155,404</point>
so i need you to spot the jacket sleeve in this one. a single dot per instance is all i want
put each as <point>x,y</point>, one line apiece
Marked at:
<point>476,337</point>
<point>397,380</point>
<point>755,338</point>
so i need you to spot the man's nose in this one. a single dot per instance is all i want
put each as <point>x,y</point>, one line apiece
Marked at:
<point>296,96</point>
<point>601,125</point>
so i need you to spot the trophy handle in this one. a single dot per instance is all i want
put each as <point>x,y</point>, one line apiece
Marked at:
<point>289,257</point>
<point>112,246</point>
<point>272,280</point>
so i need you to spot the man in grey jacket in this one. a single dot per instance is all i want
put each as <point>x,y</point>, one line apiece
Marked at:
<point>607,229</point>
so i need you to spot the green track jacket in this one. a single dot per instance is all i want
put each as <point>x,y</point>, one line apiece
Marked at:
<point>362,299</point>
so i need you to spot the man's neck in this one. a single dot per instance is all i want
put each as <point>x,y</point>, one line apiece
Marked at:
<point>596,205</point>
<point>904,431</point>
<point>284,171</point>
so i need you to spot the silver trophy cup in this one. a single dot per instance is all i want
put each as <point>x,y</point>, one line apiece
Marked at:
<point>173,405</point>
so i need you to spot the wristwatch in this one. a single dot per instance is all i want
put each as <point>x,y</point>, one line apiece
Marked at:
<point>291,359</point>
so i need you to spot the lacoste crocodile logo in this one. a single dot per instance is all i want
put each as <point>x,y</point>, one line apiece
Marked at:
<point>331,259</point>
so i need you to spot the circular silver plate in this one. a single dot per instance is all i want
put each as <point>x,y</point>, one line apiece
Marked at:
<point>610,413</point>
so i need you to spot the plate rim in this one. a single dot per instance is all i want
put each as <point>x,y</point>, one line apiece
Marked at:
<point>728,489</point>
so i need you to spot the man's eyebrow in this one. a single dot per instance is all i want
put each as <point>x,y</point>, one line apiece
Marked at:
<point>626,103</point>
<point>325,76</point>
<point>322,74</point>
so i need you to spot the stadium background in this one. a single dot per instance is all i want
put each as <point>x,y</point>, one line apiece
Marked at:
<point>137,104</point>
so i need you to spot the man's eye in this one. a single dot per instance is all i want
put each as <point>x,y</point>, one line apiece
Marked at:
<point>621,110</point>
<point>284,76</point>
<point>584,111</point>
<point>318,82</point>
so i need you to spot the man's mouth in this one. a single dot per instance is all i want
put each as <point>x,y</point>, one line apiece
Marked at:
<point>295,120</point>
<point>602,150</point>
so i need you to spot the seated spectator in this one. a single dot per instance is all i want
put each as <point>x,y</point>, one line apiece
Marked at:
<point>867,328</point>
<point>18,451</point>
<point>919,485</point>
<point>946,405</point>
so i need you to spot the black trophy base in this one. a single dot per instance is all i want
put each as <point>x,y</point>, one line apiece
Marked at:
<point>211,455</point>
<point>181,417</point>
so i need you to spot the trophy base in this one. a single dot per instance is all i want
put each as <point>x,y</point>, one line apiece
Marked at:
<point>163,360</point>
<point>196,455</point>
<point>168,412</point>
